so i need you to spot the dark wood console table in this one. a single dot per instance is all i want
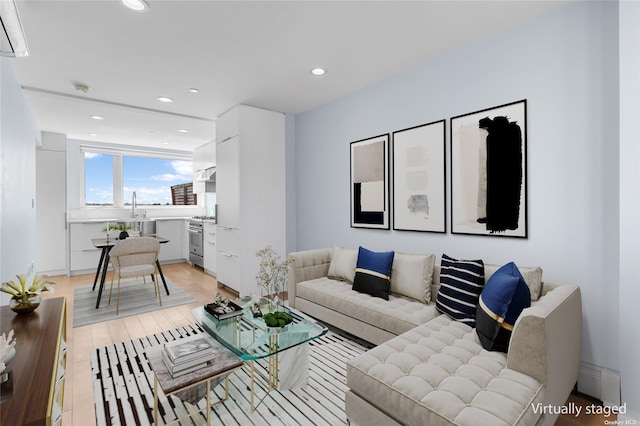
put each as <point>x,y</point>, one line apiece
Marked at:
<point>38,366</point>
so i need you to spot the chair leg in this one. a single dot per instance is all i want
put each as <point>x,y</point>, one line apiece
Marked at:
<point>118,297</point>
<point>157,285</point>
<point>110,289</point>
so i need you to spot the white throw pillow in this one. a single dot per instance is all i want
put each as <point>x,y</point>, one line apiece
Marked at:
<point>532,276</point>
<point>343,264</point>
<point>411,275</point>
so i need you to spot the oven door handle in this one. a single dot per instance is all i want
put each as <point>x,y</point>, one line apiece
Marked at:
<point>195,230</point>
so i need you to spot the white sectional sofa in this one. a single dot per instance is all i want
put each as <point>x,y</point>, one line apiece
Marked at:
<point>429,369</point>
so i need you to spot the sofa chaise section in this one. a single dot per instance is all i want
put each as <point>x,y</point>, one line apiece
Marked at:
<point>438,373</point>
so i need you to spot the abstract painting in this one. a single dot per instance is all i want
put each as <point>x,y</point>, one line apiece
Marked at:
<point>489,171</point>
<point>370,183</point>
<point>419,187</point>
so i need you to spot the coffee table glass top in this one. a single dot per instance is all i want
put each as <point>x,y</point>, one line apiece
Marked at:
<point>250,338</point>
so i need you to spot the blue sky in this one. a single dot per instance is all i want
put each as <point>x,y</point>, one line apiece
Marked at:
<point>151,178</point>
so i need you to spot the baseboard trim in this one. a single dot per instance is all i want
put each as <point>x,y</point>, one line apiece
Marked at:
<point>600,383</point>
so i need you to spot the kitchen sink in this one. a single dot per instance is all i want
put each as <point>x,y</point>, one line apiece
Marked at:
<point>144,226</point>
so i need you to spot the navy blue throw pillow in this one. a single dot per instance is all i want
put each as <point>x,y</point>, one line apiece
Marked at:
<point>504,297</point>
<point>461,283</point>
<point>373,273</point>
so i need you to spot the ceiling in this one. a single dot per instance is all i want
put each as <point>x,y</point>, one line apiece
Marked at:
<point>252,52</point>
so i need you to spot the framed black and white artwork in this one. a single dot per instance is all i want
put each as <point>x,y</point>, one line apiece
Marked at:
<point>419,178</point>
<point>370,183</point>
<point>489,171</point>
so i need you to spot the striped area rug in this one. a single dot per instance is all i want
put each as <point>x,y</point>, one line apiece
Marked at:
<point>135,298</point>
<point>123,387</point>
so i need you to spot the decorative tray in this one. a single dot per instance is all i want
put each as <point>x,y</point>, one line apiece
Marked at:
<point>223,310</point>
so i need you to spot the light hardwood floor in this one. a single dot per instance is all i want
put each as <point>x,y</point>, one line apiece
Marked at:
<point>78,393</point>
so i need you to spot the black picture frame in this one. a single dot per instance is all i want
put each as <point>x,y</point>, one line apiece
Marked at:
<point>370,182</point>
<point>419,178</point>
<point>489,171</point>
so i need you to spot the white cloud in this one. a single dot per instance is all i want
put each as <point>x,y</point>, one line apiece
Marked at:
<point>167,177</point>
<point>90,155</point>
<point>183,168</point>
<point>183,172</point>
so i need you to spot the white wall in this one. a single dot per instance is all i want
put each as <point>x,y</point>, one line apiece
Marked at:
<point>290,180</point>
<point>19,134</point>
<point>565,63</point>
<point>629,204</point>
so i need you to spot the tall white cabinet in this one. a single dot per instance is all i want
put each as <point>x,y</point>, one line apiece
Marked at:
<point>250,191</point>
<point>51,204</point>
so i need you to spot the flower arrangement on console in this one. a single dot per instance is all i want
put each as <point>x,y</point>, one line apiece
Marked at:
<point>272,273</point>
<point>26,298</point>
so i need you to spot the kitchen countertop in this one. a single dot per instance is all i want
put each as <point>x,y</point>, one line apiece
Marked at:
<point>91,220</point>
<point>122,219</point>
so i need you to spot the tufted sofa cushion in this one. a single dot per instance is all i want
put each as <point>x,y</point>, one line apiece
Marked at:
<point>438,373</point>
<point>396,315</point>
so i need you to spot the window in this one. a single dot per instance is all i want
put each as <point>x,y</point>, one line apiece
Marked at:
<point>98,179</point>
<point>111,178</point>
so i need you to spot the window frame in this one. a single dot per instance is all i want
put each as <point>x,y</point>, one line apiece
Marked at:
<point>118,172</point>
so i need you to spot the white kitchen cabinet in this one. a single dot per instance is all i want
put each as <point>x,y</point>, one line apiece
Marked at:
<point>51,208</point>
<point>84,257</point>
<point>172,230</point>
<point>227,171</point>
<point>210,248</point>
<point>250,193</point>
<point>185,239</point>
<point>204,157</point>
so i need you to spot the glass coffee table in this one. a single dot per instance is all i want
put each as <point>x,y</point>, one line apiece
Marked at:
<point>285,350</point>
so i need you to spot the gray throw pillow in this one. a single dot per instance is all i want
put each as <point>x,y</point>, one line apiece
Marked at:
<point>343,264</point>
<point>411,275</point>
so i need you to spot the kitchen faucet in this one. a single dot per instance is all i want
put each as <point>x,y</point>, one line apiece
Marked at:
<point>133,204</point>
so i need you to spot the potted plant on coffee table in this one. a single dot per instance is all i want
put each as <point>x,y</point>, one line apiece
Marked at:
<point>277,322</point>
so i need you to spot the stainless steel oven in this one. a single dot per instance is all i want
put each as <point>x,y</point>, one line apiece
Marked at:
<point>196,241</point>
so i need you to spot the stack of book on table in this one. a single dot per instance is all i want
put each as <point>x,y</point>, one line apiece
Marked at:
<point>188,354</point>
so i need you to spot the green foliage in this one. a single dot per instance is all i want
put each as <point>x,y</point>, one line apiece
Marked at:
<point>277,319</point>
<point>23,290</point>
<point>116,227</point>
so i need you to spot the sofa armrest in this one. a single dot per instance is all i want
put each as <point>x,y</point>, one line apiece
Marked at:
<point>307,265</point>
<point>546,341</point>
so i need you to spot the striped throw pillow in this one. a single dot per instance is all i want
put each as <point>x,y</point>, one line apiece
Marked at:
<point>461,282</point>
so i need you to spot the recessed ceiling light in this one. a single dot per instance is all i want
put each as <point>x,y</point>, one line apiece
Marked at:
<point>92,134</point>
<point>165,99</point>
<point>97,117</point>
<point>183,130</point>
<point>165,143</point>
<point>193,90</point>
<point>318,71</point>
<point>137,5</point>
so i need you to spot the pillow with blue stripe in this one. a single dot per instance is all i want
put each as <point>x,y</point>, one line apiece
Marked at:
<point>504,297</point>
<point>461,283</point>
<point>373,273</point>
